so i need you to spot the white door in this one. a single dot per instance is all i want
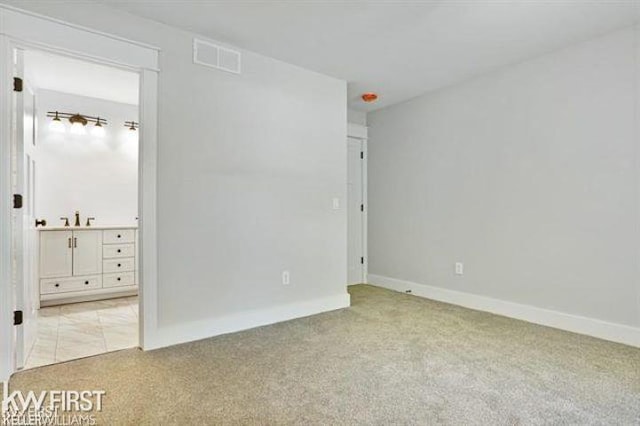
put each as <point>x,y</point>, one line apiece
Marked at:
<point>355,213</point>
<point>25,241</point>
<point>87,252</point>
<point>56,254</point>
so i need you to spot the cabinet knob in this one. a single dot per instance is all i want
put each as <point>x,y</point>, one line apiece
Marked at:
<point>118,278</point>
<point>57,285</point>
<point>86,282</point>
<point>119,265</point>
<point>119,235</point>
<point>119,251</point>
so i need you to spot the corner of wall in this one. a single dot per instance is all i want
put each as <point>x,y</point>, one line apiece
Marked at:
<point>356,117</point>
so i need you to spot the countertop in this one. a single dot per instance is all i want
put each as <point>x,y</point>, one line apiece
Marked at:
<point>85,228</point>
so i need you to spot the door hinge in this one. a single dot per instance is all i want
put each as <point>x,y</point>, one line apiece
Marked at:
<point>17,201</point>
<point>361,207</point>
<point>17,317</point>
<point>362,260</point>
<point>17,84</point>
<point>362,155</point>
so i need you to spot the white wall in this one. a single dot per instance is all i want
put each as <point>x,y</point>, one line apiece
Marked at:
<point>529,175</point>
<point>247,168</point>
<point>97,176</point>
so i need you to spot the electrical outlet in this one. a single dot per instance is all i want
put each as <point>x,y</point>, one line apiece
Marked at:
<point>459,268</point>
<point>286,279</point>
<point>336,203</point>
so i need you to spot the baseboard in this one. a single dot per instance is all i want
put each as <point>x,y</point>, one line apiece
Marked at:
<point>619,333</point>
<point>87,296</point>
<point>198,330</point>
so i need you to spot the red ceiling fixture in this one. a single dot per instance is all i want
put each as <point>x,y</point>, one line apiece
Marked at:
<point>369,97</point>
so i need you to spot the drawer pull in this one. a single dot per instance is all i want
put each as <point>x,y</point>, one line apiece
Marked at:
<point>119,265</point>
<point>119,251</point>
<point>57,285</point>
<point>86,282</point>
<point>118,278</point>
<point>119,235</point>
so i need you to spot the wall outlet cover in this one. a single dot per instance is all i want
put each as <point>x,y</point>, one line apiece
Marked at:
<point>286,278</point>
<point>459,268</point>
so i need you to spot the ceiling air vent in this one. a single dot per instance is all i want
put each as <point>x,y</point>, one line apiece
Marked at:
<point>215,56</point>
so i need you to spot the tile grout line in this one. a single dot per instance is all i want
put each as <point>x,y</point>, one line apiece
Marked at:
<point>55,349</point>
<point>99,322</point>
<point>104,338</point>
<point>52,360</point>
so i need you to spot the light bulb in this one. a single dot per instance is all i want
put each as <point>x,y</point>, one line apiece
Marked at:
<point>77,128</point>
<point>56,125</point>
<point>132,136</point>
<point>98,130</point>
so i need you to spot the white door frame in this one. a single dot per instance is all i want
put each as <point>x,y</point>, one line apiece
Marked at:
<point>358,131</point>
<point>26,30</point>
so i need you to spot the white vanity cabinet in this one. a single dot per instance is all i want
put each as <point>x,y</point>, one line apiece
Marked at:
<point>56,254</point>
<point>87,264</point>
<point>87,252</point>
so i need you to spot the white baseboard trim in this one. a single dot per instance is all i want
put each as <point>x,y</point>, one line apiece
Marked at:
<point>198,330</point>
<point>619,333</point>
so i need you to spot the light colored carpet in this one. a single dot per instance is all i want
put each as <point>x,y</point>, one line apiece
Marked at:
<point>389,359</point>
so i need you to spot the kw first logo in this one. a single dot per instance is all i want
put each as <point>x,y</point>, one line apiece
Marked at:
<point>54,407</point>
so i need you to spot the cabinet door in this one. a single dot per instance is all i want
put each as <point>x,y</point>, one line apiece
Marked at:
<point>56,254</point>
<point>87,252</point>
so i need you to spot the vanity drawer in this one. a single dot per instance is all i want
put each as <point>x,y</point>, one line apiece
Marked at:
<point>117,236</point>
<point>64,285</point>
<point>118,250</point>
<point>118,265</point>
<point>118,279</point>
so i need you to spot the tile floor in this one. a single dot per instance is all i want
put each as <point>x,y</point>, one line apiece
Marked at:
<point>79,330</point>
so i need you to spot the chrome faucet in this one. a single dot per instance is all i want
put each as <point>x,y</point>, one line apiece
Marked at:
<point>66,220</point>
<point>77,218</point>
<point>89,219</point>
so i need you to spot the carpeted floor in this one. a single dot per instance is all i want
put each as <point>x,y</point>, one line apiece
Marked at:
<point>389,359</point>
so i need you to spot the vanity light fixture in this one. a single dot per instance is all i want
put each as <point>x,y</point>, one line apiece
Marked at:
<point>132,125</point>
<point>98,130</point>
<point>78,123</point>
<point>56,124</point>
<point>132,134</point>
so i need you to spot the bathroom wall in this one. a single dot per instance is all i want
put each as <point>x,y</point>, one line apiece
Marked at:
<point>97,176</point>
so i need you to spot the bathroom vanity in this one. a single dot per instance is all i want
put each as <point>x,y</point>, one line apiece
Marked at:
<point>87,263</point>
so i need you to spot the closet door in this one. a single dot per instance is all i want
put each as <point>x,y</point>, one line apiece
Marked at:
<point>87,252</point>
<point>56,254</point>
<point>355,212</point>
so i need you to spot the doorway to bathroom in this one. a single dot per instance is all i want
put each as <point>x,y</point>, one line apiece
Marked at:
<point>76,168</point>
<point>94,47</point>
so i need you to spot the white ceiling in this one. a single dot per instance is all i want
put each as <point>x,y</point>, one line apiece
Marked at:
<point>399,49</point>
<point>62,74</point>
